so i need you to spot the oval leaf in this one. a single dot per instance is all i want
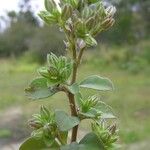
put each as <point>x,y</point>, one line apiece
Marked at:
<point>36,144</point>
<point>72,146</point>
<point>64,121</point>
<point>74,88</point>
<point>105,110</point>
<point>97,83</point>
<point>38,89</point>
<point>89,142</point>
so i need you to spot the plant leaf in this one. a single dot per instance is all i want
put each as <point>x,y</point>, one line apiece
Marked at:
<point>64,121</point>
<point>101,110</point>
<point>105,110</point>
<point>97,83</point>
<point>38,89</point>
<point>89,142</point>
<point>72,146</point>
<point>36,144</point>
<point>90,114</point>
<point>74,88</point>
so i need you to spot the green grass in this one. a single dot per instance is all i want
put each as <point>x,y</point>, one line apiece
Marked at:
<point>5,133</point>
<point>130,98</point>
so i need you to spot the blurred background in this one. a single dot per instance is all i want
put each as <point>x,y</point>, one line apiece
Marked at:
<point>123,55</point>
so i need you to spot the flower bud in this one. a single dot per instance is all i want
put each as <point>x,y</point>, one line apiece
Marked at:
<point>34,124</point>
<point>52,59</point>
<point>110,11</point>
<point>44,72</point>
<point>74,3</point>
<point>112,129</point>
<point>67,12</point>
<point>81,29</point>
<point>81,44</point>
<point>109,24</point>
<point>45,112</point>
<point>47,17</point>
<point>50,5</point>
<point>90,41</point>
<point>90,23</point>
<point>86,12</point>
<point>52,71</point>
<point>81,5</point>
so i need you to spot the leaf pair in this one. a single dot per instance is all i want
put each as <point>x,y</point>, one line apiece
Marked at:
<point>89,142</point>
<point>92,107</point>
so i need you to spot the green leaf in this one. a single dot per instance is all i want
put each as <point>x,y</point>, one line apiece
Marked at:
<point>64,121</point>
<point>97,83</point>
<point>90,114</point>
<point>105,110</point>
<point>108,116</point>
<point>100,111</point>
<point>74,88</point>
<point>38,89</point>
<point>89,142</point>
<point>36,144</point>
<point>72,146</point>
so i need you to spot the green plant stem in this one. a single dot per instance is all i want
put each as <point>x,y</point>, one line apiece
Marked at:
<point>71,97</point>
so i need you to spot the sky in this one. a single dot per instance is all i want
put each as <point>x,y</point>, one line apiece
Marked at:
<point>7,5</point>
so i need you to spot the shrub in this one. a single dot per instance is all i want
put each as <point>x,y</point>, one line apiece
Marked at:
<point>81,21</point>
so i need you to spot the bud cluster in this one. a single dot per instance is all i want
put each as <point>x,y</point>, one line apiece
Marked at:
<point>88,108</point>
<point>82,18</point>
<point>44,125</point>
<point>88,104</point>
<point>107,135</point>
<point>58,71</point>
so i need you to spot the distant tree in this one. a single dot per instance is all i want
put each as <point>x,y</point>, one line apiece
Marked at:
<point>15,38</point>
<point>51,42</point>
<point>26,14</point>
<point>132,22</point>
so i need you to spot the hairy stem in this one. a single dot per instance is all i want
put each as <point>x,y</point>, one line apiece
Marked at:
<point>71,97</point>
<point>73,113</point>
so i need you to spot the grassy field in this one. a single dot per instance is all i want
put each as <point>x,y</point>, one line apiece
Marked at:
<point>130,99</point>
